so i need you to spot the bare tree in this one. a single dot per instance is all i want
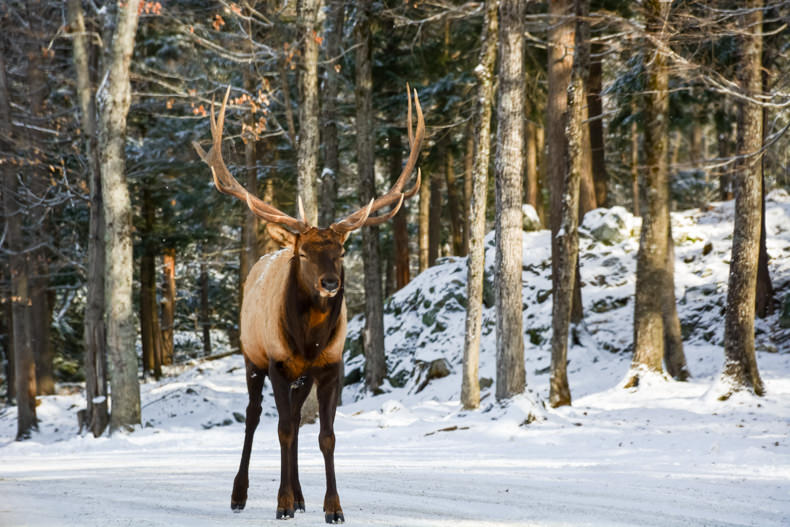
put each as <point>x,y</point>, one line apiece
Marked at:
<point>307,157</point>
<point>511,375</point>
<point>375,360</point>
<point>470,383</point>
<point>740,367</point>
<point>653,243</point>
<point>95,361</point>
<point>114,98</point>
<point>18,264</point>
<point>329,115</point>
<point>568,235</point>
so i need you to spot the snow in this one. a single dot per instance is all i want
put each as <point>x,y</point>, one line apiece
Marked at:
<point>665,454</point>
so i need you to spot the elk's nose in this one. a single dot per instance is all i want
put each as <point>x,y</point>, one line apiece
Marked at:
<point>330,283</point>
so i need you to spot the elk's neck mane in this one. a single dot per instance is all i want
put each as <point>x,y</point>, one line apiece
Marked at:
<point>309,320</point>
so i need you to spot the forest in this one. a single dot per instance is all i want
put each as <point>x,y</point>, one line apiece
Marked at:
<point>597,233</point>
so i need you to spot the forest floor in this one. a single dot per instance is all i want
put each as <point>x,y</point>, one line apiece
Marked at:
<point>665,454</point>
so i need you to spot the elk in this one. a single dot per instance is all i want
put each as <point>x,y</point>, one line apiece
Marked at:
<point>293,318</point>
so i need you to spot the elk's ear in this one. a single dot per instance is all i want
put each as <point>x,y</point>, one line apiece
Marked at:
<point>280,234</point>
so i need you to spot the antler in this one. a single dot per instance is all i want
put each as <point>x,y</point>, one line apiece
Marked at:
<point>364,215</point>
<point>226,183</point>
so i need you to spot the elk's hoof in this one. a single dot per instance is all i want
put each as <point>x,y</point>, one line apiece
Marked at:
<point>237,506</point>
<point>299,506</point>
<point>284,514</point>
<point>335,517</point>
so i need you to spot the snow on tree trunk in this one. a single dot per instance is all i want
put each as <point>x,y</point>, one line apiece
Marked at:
<point>470,383</point>
<point>510,372</point>
<point>114,98</point>
<point>375,361</point>
<point>95,360</point>
<point>740,367</point>
<point>652,256</point>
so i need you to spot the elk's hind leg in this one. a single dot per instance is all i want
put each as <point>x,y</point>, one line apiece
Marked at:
<point>255,377</point>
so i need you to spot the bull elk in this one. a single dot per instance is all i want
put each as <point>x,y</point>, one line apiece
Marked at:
<point>293,319</point>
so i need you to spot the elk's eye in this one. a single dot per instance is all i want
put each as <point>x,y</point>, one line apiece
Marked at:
<point>302,255</point>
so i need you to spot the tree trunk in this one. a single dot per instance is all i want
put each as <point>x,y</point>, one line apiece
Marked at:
<point>652,256</point>
<point>469,166</point>
<point>38,183</point>
<point>423,223</point>
<point>149,321</point>
<point>18,266</point>
<point>95,360</point>
<point>595,110</point>
<point>454,203</point>
<point>723,141</point>
<point>634,160</point>
<point>470,383</point>
<point>531,160</point>
<point>375,360</point>
<point>435,214</point>
<point>168,304</point>
<point>115,99</point>
<point>249,227</point>
<point>205,318</point>
<point>510,372</point>
<point>331,173</point>
<point>560,56</point>
<point>6,328</point>
<point>307,158</point>
<point>674,357</point>
<point>740,368</point>
<point>568,235</point>
<point>765,289</point>
<point>399,222</point>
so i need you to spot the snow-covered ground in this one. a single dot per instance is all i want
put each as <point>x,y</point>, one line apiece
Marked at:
<point>665,454</point>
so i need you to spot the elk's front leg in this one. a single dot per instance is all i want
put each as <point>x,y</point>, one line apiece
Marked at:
<point>255,376</point>
<point>290,397</point>
<point>328,389</point>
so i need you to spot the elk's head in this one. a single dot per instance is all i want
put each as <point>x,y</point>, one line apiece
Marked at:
<point>319,251</point>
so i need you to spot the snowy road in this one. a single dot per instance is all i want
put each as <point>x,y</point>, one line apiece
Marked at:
<point>604,462</point>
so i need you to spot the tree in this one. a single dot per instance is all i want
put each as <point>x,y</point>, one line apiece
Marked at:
<point>655,320</point>
<point>568,235</point>
<point>511,375</point>
<point>307,156</point>
<point>114,100</point>
<point>375,360</point>
<point>18,265</point>
<point>560,62</point>
<point>470,383</point>
<point>95,360</point>
<point>740,367</point>
<point>331,174</point>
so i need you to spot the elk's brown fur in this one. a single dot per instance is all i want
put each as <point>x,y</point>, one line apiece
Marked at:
<point>293,319</point>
